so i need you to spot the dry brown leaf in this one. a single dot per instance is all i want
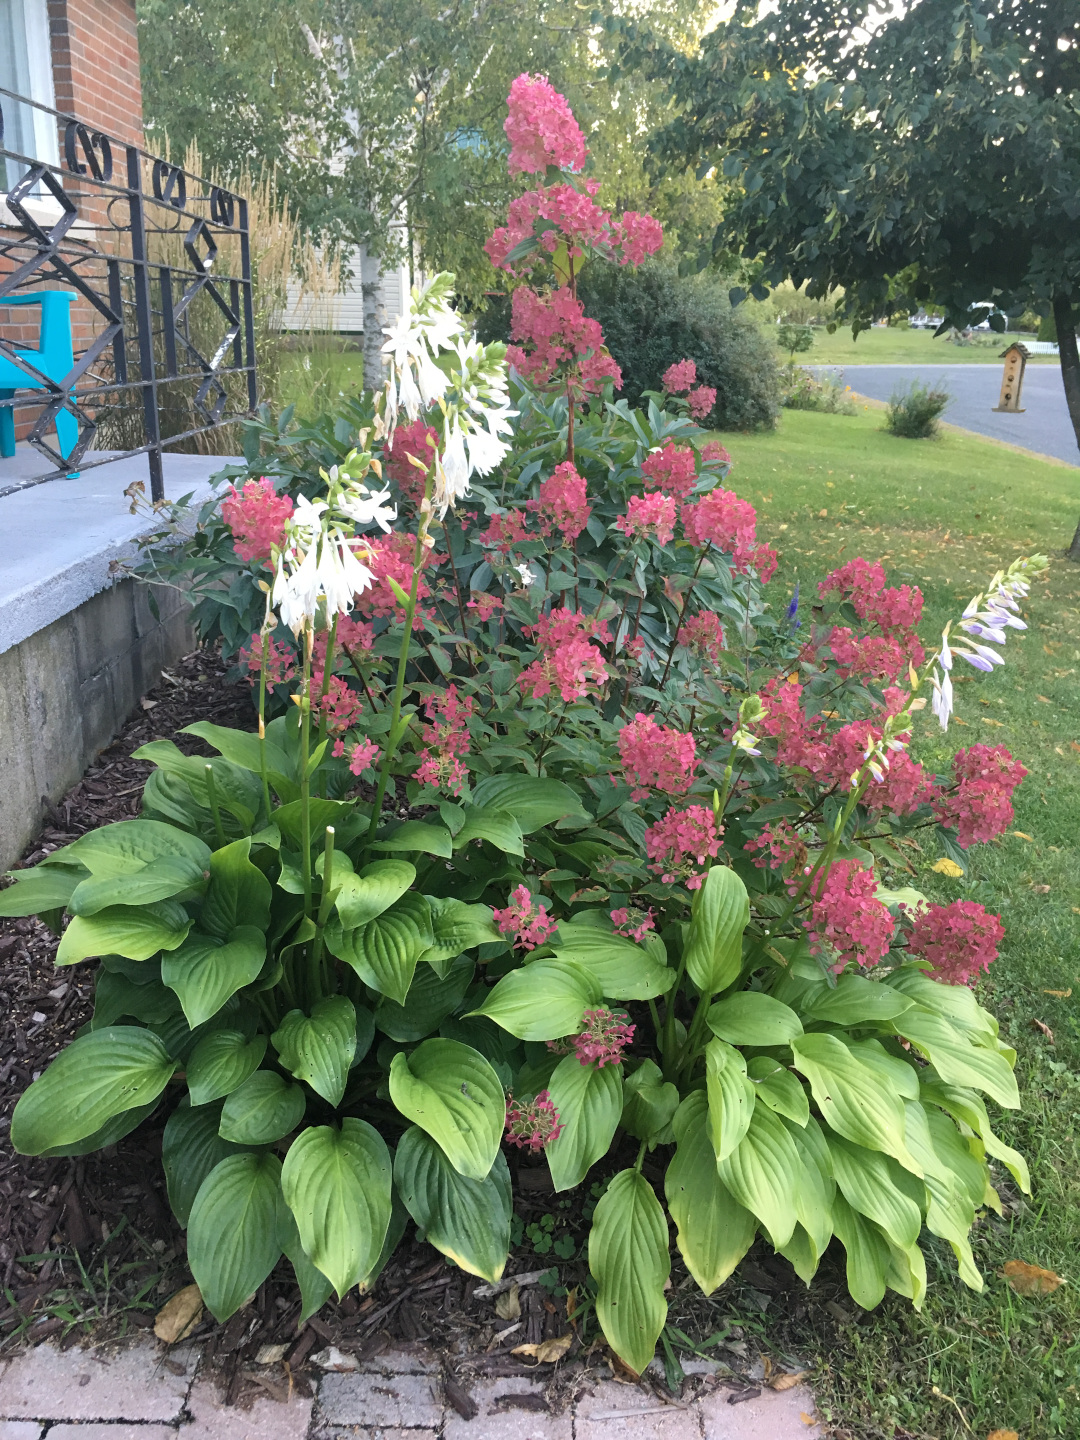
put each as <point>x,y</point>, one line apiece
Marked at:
<point>1003,1434</point>
<point>1074,745</point>
<point>1028,1279</point>
<point>508,1304</point>
<point>947,867</point>
<point>1045,699</point>
<point>548,1351</point>
<point>1041,889</point>
<point>986,720</point>
<point>788,1382</point>
<point>1020,835</point>
<point>823,514</point>
<point>1044,1029</point>
<point>1059,994</point>
<point>178,1317</point>
<point>807,1419</point>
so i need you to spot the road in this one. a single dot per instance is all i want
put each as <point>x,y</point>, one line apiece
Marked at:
<point>1043,426</point>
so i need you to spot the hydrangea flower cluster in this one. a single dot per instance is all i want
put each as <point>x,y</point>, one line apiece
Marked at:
<point>656,757</point>
<point>847,917</point>
<point>485,605</point>
<point>363,755</point>
<point>981,805</point>
<point>564,344</point>
<point>782,842</point>
<point>446,740</point>
<point>505,529</point>
<point>672,468</point>
<point>604,1037</point>
<point>680,845</point>
<point>633,922</point>
<point>280,660</point>
<point>720,518</point>
<point>703,635</point>
<point>541,128</point>
<point>341,705</point>
<point>649,517</point>
<point>960,940</point>
<point>532,1124</point>
<point>390,557</point>
<point>569,662</point>
<point>525,920</point>
<point>895,610</point>
<point>257,516</point>
<point>681,379</point>
<point>562,504</point>
<point>419,441</point>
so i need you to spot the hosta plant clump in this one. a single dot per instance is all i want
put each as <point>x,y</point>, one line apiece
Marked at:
<point>553,843</point>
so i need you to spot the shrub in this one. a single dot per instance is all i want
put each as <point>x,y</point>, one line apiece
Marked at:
<point>913,413</point>
<point>795,339</point>
<point>827,393</point>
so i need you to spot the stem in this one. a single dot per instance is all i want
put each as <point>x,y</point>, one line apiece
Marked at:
<point>667,1046</point>
<point>682,613</point>
<point>320,976</point>
<point>305,779</point>
<point>211,791</point>
<point>263,768</point>
<point>328,670</point>
<point>327,875</point>
<point>640,1155</point>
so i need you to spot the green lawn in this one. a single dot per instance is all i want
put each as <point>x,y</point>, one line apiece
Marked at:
<point>312,379</point>
<point>944,514</point>
<point>888,345</point>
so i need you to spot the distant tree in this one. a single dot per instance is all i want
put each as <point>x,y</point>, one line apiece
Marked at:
<point>929,158</point>
<point>795,339</point>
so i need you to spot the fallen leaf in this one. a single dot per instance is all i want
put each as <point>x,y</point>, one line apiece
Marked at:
<point>1041,889</point>
<point>1045,699</point>
<point>947,867</point>
<point>807,1419</point>
<point>147,704</point>
<point>178,1317</point>
<point>1028,1279</point>
<point>508,1305</point>
<point>788,1382</point>
<point>1004,1434</point>
<point>270,1354</point>
<point>1021,836</point>
<point>1059,994</point>
<point>957,721</point>
<point>986,720</point>
<point>1044,1029</point>
<point>823,514</point>
<point>548,1351</point>
<point>767,1367</point>
<point>1074,745</point>
<point>332,1359</point>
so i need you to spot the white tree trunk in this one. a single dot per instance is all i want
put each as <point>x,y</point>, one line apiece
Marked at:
<point>370,277</point>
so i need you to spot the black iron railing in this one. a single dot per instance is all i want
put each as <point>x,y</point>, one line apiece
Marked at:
<point>164,346</point>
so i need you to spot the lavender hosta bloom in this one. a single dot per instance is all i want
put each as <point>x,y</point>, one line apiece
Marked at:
<point>793,605</point>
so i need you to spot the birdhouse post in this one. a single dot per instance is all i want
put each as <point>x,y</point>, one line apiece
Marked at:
<point>1012,379</point>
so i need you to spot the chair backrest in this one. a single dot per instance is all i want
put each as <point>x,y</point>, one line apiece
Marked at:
<point>54,339</point>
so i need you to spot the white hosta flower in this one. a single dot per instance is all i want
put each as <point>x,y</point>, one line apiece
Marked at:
<point>527,576</point>
<point>426,329</point>
<point>942,701</point>
<point>366,508</point>
<point>316,564</point>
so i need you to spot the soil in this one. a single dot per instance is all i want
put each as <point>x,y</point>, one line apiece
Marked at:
<point>89,1246</point>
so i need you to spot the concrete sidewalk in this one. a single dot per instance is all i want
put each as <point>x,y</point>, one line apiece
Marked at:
<point>141,1391</point>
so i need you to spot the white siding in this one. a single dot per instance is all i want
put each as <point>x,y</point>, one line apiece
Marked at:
<point>344,313</point>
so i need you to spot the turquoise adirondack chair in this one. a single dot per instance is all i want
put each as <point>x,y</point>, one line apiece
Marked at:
<point>54,359</point>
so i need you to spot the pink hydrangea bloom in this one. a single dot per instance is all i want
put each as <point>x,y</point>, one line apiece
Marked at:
<point>681,844</point>
<point>280,660</point>
<point>678,378</point>
<point>504,531</point>
<point>605,1036</point>
<point>847,916</point>
<point>701,400</point>
<point>703,635</point>
<point>655,757</point>
<point>532,1124</point>
<point>362,756</point>
<point>562,504</point>
<point>391,556</point>
<point>355,638</point>
<point>418,440</point>
<point>541,128</point>
<point>578,222</point>
<point>715,454</point>
<point>672,469</point>
<point>485,605</point>
<point>722,519</point>
<point>637,236</point>
<point>904,788</point>
<point>784,845</point>
<point>799,740</point>
<point>569,662</point>
<point>563,343</point>
<point>256,515</point>
<point>446,740</point>
<point>649,517</point>
<point>524,920</point>
<point>863,583</point>
<point>341,705</point>
<point>635,924</point>
<point>981,805</point>
<point>873,657</point>
<point>960,940</point>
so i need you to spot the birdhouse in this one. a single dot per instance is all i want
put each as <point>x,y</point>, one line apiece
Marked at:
<point>1012,379</point>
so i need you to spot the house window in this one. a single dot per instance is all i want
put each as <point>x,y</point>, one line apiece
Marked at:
<point>26,69</point>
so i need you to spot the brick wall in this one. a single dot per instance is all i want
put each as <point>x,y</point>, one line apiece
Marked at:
<point>95,53</point>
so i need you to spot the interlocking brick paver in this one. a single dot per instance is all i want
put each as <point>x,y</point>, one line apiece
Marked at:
<point>403,1361</point>
<point>266,1419</point>
<point>373,1400</point>
<point>126,1384</point>
<point>112,1432</point>
<point>18,1429</point>
<point>376,1432</point>
<point>773,1415</point>
<point>494,1422</point>
<point>623,1412</point>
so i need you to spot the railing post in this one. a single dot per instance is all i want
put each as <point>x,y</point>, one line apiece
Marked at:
<point>249,308</point>
<point>144,321</point>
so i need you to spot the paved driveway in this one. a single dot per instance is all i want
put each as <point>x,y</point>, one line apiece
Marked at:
<point>1044,426</point>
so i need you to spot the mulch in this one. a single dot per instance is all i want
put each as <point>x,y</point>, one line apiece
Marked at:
<point>89,1247</point>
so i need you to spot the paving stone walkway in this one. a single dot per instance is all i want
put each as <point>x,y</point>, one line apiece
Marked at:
<point>143,1392</point>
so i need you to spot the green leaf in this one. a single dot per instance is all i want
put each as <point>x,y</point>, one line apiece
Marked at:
<point>731,1097</point>
<point>261,1110</point>
<point>160,880</point>
<point>290,818</point>
<point>236,790</point>
<point>458,927</point>
<point>467,1220</point>
<point>857,1000</point>
<point>623,970</point>
<point>233,1233</point>
<point>950,1212</point>
<point>589,1101</point>
<point>778,1088</point>
<point>901,1073</point>
<point>116,995</point>
<point>868,1258</point>
<point>720,914</point>
<point>533,803</point>
<point>221,1062</point>
<point>242,748</point>
<point>319,1048</point>
<point>384,952</point>
<point>751,1018</point>
<point>190,1148</point>
<point>856,1099</point>
<point>497,826</point>
<point>112,1131</point>
<point>337,1184</point>
<point>46,887</point>
<point>876,1186</point>
<point>315,1288</point>
<point>955,1002</point>
<point>649,1102</point>
<point>97,1076</point>
<point>363,897</point>
<point>452,1092</point>
<point>205,971</point>
<point>764,1173</point>
<point>238,894</point>
<point>418,835</point>
<point>956,1059</point>
<point>813,1201</point>
<point>542,1001</point>
<point>429,1001</point>
<point>964,1105</point>
<point>136,932</point>
<point>128,846</point>
<point>714,1230</point>
<point>629,1259</point>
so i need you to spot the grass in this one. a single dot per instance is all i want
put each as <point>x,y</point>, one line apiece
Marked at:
<point>312,378</point>
<point>944,514</point>
<point>889,345</point>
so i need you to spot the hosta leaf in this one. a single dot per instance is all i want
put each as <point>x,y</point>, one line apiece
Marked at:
<point>136,932</point>
<point>542,1001</point>
<point>764,1173</point>
<point>46,887</point>
<point>221,1062</point>
<point>752,1018</point>
<point>205,971</point>
<point>964,1105</point>
<point>533,803</point>
<point>337,1185</point>
<point>714,1230</point>
<point>127,846</point>
<point>233,1232</point>
<point>315,1287</point>
<point>190,1148</point>
<point>956,1002</point>
<point>778,1088</point>
<point>236,789</point>
<point>720,914</point>
<point>429,1001</point>
<point>731,1097</point>
<point>868,1258</point>
<point>112,1131</point>
<point>319,1047</point>
<point>238,893</point>
<point>497,826</point>
<point>649,1102</point>
<point>956,1059</point>
<point>261,1110</point>
<point>901,1073</point>
<point>458,927</point>
<point>950,1212</point>
<point>289,819</point>
<point>877,1187</point>
<point>468,1220</point>
<point>97,1076</point>
<point>159,880</point>
<point>857,1100</point>
<point>242,747</point>
<point>384,952</point>
<point>364,896</point>
<point>589,1101</point>
<point>855,1001</point>
<point>418,835</point>
<point>813,1200</point>
<point>115,995</point>
<point>629,1259</point>
<point>452,1092</point>
<point>623,970</point>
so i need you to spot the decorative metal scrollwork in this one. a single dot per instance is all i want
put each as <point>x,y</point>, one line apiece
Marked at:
<point>170,184</point>
<point>95,147</point>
